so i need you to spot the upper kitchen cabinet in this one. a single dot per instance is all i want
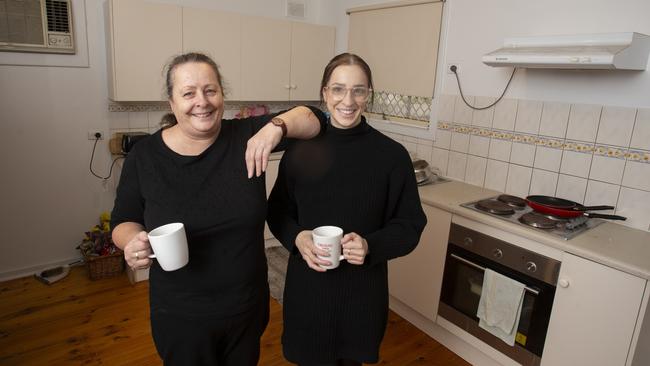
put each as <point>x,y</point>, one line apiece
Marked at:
<point>283,60</point>
<point>312,47</point>
<point>217,34</point>
<point>137,50</point>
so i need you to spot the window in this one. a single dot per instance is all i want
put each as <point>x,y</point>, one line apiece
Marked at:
<point>400,43</point>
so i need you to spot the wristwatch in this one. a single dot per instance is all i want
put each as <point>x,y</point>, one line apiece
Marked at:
<point>280,123</point>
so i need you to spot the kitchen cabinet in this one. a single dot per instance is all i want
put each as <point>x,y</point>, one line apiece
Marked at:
<point>137,52</point>
<point>260,59</point>
<point>271,175</point>
<point>416,279</point>
<point>283,60</point>
<point>218,35</point>
<point>594,315</point>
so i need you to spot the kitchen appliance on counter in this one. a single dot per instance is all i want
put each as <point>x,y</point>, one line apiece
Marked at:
<point>469,254</point>
<point>424,174</point>
<point>514,209</point>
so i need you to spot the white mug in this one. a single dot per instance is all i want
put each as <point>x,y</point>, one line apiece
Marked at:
<point>169,245</point>
<point>329,238</point>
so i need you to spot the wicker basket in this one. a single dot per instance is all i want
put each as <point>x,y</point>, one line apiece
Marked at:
<point>105,266</point>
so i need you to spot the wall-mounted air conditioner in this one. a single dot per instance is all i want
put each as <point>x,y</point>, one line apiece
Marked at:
<point>36,26</point>
<point>626,51</point>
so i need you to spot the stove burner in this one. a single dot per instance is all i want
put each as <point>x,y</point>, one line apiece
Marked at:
<point>495,207</point>
<point>513,201</point>
<point>539,221</point>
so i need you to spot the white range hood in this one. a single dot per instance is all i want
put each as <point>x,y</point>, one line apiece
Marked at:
<point>612,51</point>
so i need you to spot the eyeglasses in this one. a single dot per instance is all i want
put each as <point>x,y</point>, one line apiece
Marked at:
<point>359,93</point>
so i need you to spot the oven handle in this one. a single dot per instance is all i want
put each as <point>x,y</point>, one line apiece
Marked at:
<point>470,263</point>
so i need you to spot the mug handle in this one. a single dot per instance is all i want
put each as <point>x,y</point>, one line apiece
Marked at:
<point>151,256</point>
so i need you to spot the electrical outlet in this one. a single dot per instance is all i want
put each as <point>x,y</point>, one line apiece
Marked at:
<point>450,64</point>
<point>92,135</point>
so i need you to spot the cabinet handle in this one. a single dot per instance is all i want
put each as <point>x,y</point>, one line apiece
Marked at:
<point>287,86</point>
<point>293,86</point>
<point>563,283</point>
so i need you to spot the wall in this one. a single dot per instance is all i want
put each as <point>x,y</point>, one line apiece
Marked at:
<point>48,196</point>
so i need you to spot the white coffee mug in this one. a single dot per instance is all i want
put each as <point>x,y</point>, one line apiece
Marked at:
<point>169,245</point>
<point>329,238</point>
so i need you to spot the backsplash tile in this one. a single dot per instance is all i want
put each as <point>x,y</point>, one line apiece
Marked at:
<point>463,113</point>
<point>483,117</point>
<point>529,114</point>
<point>572,188</point>
<point>505,113</point>
<point>583,122</point>
<point>555,118</point>
<point>616,124</point>
<point>641,133</point>
<point>588,153</point>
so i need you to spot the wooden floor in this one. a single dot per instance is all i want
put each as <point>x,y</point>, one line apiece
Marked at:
<point>106,322</point>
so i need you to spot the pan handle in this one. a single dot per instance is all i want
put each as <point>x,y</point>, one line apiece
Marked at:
<point>593,208</point>
<point>603,216</point>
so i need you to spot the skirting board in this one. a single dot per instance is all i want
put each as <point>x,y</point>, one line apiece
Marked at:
<point>457,345</point>
<point>29,271</point>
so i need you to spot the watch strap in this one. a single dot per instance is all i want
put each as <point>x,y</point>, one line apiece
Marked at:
<point>280,123</point>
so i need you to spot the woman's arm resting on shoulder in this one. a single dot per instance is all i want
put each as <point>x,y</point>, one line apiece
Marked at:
<point>301,123</point>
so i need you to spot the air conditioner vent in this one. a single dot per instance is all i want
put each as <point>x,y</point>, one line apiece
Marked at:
<point>36,26</point>
<point>57,16</point>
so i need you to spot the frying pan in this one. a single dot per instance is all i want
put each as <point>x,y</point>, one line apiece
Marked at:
<point>565,208</point>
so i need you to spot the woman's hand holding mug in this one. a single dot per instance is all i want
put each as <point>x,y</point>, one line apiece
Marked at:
<point>355,248</point>
<point>137,251</point>
<point>310,251</point>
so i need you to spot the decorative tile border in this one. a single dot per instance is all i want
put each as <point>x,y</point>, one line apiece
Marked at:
<point>560,144</point>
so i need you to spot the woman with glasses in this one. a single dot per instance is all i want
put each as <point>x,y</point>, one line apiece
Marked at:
<point>353,177</point>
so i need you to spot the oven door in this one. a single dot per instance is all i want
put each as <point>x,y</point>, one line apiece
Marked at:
<point>461,292</point>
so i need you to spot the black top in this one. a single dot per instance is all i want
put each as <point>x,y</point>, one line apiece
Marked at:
<point>223,212</point>
<point>362,181</point>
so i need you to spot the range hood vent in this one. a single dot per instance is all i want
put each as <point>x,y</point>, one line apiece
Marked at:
<point>610,51</point>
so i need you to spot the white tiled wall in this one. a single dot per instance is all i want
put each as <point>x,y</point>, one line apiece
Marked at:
<point>591,154</point>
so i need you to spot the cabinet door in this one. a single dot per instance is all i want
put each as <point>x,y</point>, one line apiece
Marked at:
<point>217,34</point>
<point>416,279</point>
<point>139,50</point>
<point>312,47</point>
<point>271,175</point>
<point>594,315</point>
<point>266,47</point>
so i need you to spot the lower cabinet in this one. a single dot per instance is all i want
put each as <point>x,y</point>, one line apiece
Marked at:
<point>594,315</point>
<point>271,175</point>
<point>416,278</point>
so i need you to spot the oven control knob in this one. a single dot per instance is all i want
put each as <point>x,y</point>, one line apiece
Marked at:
<point>467,241</point>
<point>563,283</point>
<point>497,253</point>
<point>531,266</point>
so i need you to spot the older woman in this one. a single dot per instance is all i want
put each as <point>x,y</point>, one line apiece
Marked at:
<point>362,181</point>
<point>206,173</point>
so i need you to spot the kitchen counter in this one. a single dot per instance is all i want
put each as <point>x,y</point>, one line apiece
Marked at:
<point>610,244</point>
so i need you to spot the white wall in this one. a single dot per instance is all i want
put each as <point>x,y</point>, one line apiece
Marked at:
<point>48,197</point>
<point>478,27</point>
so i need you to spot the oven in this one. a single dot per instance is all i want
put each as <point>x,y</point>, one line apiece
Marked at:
<point>469,253</point>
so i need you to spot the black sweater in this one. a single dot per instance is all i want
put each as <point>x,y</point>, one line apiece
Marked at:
<point>223,212</point>
<point>363,182</point>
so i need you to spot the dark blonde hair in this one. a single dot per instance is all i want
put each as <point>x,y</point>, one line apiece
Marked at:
<point>344,59</point>
<point>169,119</point>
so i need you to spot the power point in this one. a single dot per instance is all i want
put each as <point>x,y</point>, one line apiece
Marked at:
<point>452,68</point>
<point>95,135</point>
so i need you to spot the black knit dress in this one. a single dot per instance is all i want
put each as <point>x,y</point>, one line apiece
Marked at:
<point>362,181</point>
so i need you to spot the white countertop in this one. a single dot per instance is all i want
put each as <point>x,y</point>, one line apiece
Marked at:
<point>610,244</point>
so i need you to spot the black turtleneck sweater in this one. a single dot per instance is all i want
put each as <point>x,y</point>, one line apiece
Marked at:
<point>362,181</point>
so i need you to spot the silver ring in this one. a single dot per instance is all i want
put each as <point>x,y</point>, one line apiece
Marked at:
<point>136,255</point>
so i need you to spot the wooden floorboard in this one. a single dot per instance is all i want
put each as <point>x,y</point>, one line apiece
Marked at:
<point>77,321</point>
